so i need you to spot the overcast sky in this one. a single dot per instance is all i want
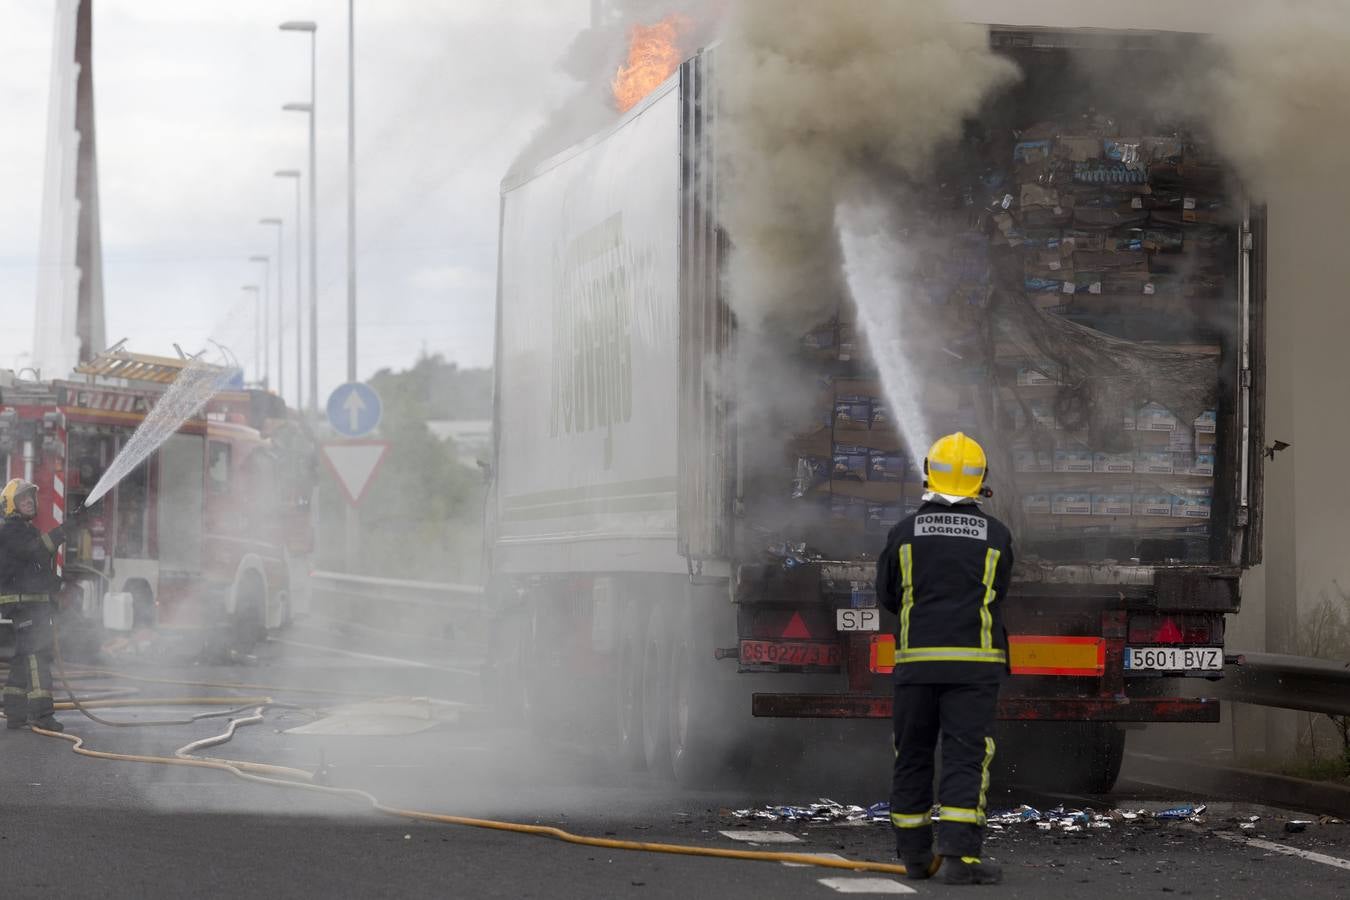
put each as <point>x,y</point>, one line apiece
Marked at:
<point>190,129</point>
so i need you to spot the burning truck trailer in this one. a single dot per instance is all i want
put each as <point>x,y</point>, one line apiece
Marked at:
<point>206,540</point>
<point>1098,300</point>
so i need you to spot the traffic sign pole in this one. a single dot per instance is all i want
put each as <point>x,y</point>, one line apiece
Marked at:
<point>354,410</point>
<point>353,537</point>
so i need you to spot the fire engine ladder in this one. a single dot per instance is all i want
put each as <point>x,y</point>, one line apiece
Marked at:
<point>135,367</point>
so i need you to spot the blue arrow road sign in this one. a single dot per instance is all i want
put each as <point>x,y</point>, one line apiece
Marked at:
<point>354,409</point>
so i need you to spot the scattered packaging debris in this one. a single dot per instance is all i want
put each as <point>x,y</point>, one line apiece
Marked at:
<point>1296,826</point>
<point>823,810</point>
<point>1187,811</point>
<point>1060,819</point>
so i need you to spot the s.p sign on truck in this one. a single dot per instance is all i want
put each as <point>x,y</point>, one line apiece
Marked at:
<point>662,572</point>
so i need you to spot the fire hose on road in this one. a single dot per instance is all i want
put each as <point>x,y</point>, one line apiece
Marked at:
<point>299,779</point>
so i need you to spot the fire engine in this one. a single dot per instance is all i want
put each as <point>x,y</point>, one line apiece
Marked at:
<point>212,531</point>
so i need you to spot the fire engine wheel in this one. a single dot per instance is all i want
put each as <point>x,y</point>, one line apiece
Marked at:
<point>248,625</point>
<point>656,691</point>
<point>628,693</point>
<point>143,613</point>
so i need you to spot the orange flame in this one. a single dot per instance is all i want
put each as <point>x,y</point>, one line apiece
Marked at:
<point>653,54</point>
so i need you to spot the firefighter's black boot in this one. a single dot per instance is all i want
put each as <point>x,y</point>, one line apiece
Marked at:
<point>16,708</point>
<point>918,867</point>
<point>48,723</point>
<point>971,870</point>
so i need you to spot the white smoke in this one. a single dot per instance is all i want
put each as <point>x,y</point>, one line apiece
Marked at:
<point>1278,101</point>
<point>815,98</point>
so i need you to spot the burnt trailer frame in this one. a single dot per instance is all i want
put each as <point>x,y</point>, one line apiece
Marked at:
<point>647,631</point>
<point>1089,598</point>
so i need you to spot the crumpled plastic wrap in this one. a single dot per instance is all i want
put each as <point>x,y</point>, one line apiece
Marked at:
<point>1070,821</point>
<point>1060,819</point>
<point>791,554</point>
<point>823,811</point>
<point>1104,379</point>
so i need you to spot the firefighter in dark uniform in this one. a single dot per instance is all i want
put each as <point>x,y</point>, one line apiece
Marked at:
<point>944,572</point>
<point>27,581</point>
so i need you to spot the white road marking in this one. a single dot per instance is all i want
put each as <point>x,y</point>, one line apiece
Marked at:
<point>1309,855</point>
<point>373,658</point>
<point>762,837</point>
<point>796,865</point>
<point>866,886</point>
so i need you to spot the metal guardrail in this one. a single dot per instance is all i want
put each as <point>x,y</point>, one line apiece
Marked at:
<point>426,593</point>
<point>395,604</point>
<point>1287,682</point>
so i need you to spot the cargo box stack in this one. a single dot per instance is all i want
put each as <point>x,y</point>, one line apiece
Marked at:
<point>1076,290</point>
<point>854,476</point>
<point>1124,234</point>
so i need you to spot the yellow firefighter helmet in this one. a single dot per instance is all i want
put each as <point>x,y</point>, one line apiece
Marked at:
<point>955,466</point>
<point>9,497</point>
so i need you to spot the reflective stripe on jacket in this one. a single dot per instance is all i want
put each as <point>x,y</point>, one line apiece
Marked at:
<point>944,573</point>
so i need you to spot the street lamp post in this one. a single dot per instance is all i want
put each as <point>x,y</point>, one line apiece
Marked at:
<point>299,330</point>
<point>311,107</point>
<point>281,302</point>
<point>351,190</point>
<point>257,327</point>
<point>266,306</point>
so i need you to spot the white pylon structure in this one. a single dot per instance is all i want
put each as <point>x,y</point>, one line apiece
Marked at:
<point>68,325</point>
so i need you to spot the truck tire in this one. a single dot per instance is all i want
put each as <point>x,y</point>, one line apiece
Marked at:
<point>1105,754</point>
<point>628,690</point>
<point>534,683</point>
<point>656,691</point>
<point>1063,757</point>
<point>701,740</point>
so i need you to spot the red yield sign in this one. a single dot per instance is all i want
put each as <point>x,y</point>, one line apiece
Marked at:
<point>354,464</point>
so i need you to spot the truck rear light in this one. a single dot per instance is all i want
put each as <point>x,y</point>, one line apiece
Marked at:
<point>1164,628</point>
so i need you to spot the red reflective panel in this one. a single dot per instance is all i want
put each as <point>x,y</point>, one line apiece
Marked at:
<point>1168,633</point>
<point>1175,629</point>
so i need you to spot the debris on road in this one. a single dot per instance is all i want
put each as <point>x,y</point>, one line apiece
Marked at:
<point>1060,819</point>
<point>823,810</point>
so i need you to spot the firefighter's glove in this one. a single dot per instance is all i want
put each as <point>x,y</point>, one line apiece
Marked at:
<point>57,536</point>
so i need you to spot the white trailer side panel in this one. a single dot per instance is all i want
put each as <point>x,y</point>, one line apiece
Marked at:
<point>588,354</point>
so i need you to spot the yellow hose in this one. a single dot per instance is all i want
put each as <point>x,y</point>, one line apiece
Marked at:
<point>81,671</point>
<point>162,701</point>
<point>263,774</point>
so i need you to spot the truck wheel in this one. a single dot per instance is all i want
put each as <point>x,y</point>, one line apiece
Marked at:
<point>1066,757</point>
<point>656,691</point>
<point>628,691</point>
<point>700,741</point>
<point>1106,752</point>
<point>534,703</point>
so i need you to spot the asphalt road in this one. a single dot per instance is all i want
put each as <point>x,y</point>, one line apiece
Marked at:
<point>72,825</point>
